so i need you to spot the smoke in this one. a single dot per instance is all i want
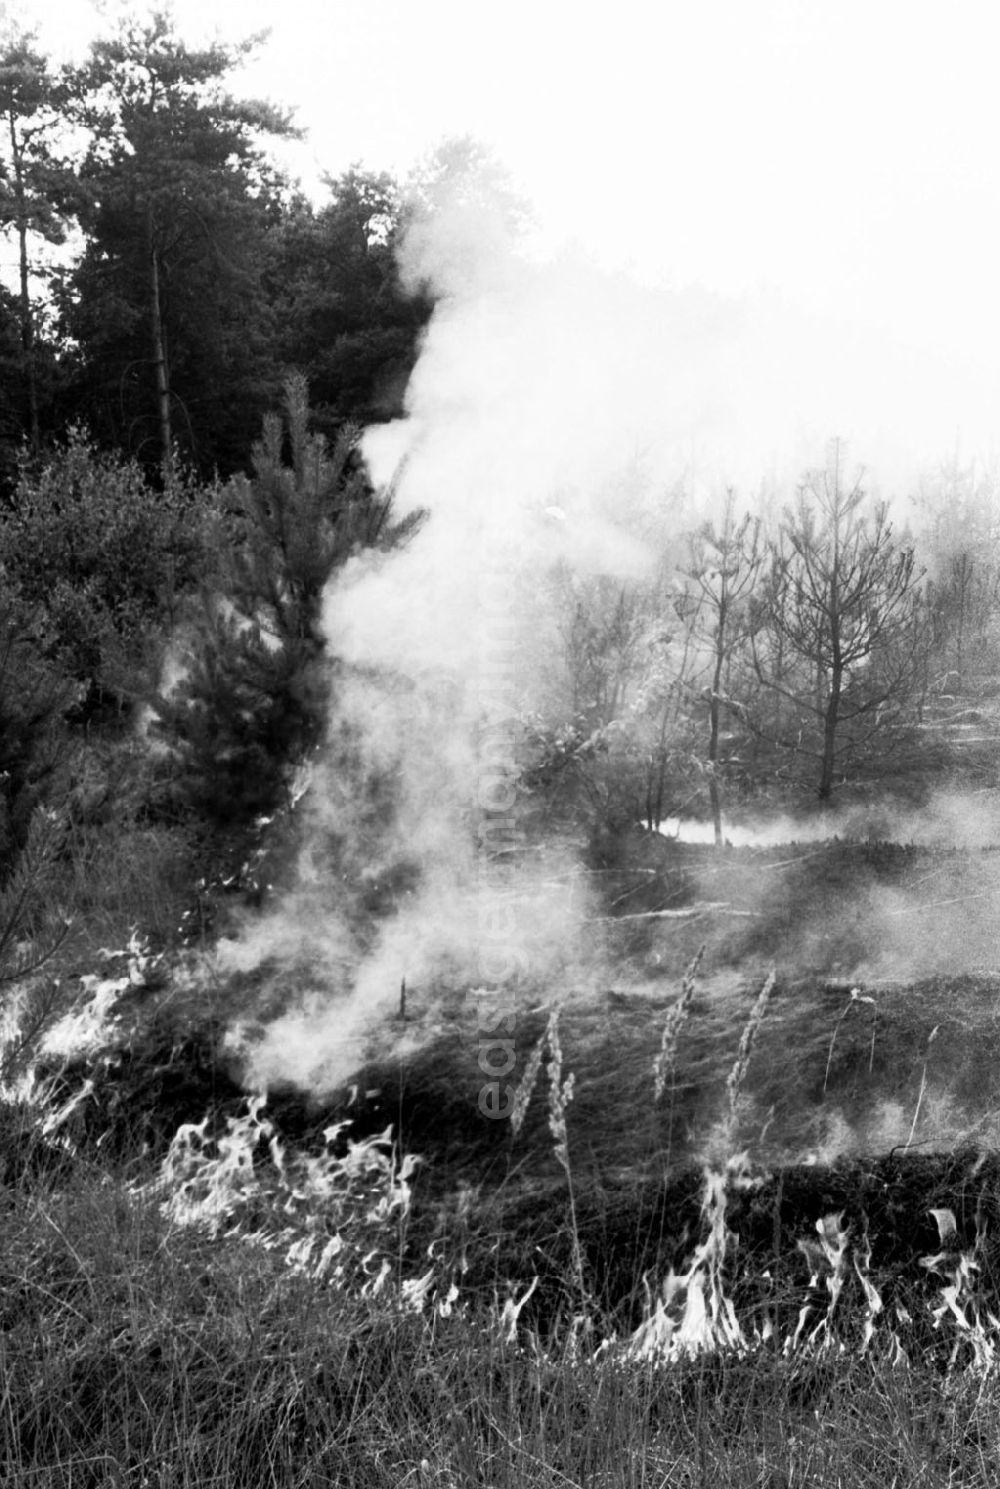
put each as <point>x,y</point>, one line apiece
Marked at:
<point>948,820</point>
<point>560,417</point>
<point>545,416</point>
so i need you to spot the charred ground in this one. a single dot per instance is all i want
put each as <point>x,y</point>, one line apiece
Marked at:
<point>866,1095</point>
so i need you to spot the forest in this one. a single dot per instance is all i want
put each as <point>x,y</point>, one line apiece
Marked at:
<point>193,274</point>
<point>191,351</point>
<point>470,1011</point>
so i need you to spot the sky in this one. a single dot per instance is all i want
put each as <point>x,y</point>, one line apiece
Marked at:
<point>831,169</point>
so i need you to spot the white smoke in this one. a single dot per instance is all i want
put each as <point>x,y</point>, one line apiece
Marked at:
<point>558,415</point>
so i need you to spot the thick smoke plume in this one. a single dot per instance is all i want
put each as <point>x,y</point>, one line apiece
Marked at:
<point>552,410</point>
<point>559,416</point>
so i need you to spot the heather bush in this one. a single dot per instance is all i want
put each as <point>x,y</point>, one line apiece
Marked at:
<point>34,697</point>
<point>103,558</point>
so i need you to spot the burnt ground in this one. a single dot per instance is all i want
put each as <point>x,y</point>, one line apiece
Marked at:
<point>633,1234</point>
<point>869,1090</point>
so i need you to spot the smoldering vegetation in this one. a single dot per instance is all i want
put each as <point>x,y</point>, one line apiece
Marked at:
<point>603,1015</point>
<point>616,632</point>
<point>498,883</point>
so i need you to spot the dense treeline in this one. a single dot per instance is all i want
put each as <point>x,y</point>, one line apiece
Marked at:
<point>189,350</point>
<point>200,275</point>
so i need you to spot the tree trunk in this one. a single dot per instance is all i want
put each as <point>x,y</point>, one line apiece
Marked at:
<point>832,619</point>
<point>830,720</point>
<point>963,574</point>
<point>27,319</point>
<point>160,369</point>
<point>28,344</point>
<point>713,733</point>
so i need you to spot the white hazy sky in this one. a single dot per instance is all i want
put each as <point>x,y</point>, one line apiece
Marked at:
<point>843,158</point>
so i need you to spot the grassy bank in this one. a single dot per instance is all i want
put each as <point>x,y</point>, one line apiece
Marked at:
<point>198,1290</point>
<point>137,1351</point>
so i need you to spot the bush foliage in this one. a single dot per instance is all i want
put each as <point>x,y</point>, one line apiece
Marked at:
<point>103,558</point>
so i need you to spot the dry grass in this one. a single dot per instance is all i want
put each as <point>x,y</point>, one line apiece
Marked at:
<point>118,879</point>
<point>193,1325</point>
<point>137,1352</point>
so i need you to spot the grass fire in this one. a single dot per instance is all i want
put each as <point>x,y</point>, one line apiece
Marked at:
<point>499,849</point>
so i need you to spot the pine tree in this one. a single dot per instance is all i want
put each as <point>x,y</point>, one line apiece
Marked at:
<point>840,606</point>
<point>37,195</point>
<point>341,312</point>
<point>166,306</point>
<point>254,688</point>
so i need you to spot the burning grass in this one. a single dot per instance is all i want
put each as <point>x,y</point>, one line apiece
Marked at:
<point>148,1340</point>
<point>199,1289</point>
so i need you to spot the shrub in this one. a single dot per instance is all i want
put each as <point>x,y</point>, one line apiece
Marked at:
<point>103,558</point>
<point>33,699</point>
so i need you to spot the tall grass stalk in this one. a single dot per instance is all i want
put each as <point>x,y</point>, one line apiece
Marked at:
<point>560,1095</point>
<point>527,1083</point>
<point>923,1085</point>
<point>676,1015</point>
<point>856,997</point>
<point>738,1074</point>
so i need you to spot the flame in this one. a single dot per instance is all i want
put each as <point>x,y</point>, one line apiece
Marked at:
<point>975,1326</point>
<point>693,1313</point>
<point>334,1215</point>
